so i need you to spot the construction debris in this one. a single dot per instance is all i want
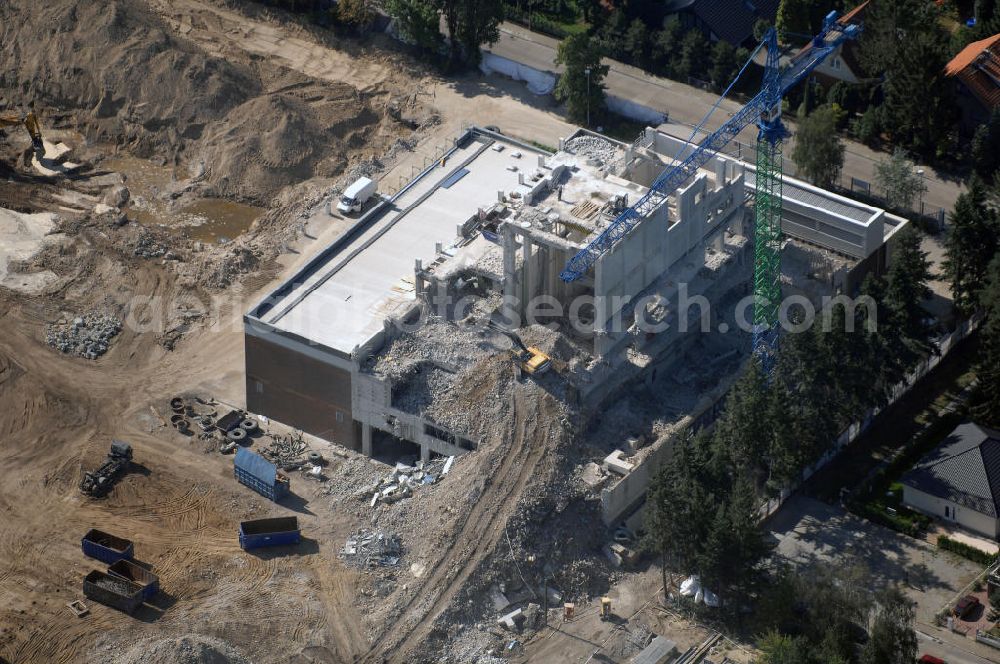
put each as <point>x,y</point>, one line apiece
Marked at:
<point>372,548</point>
<point>592,147</point>
<point>286,452</point>
<point>87,336</point>
<point>404,478</point>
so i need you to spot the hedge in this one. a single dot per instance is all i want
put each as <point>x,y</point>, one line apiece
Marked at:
<point>966,551</point>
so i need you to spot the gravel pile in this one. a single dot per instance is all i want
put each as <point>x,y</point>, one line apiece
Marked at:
<point>602,150</point>
<point>87,336</point>
<point>188,649</point>
<point>146,246</point>
<point>443,344</point>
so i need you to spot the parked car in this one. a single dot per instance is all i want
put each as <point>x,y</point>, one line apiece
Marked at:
<point>930,659</point>
<point>966,605</point>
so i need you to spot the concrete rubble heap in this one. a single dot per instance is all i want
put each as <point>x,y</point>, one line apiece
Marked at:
<point>593,147</point>
<point>146,246</point>
<point>404,478</point>
<point>372,548</point>
<point>87,336</point>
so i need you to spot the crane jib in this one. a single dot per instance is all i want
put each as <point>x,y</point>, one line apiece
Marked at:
<point>672,178</point>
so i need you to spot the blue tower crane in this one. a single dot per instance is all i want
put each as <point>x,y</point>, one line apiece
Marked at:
<point>764,110</point>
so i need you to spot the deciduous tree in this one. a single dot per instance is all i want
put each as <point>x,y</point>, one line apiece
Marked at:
<point>579,89</point>
<point>418,22</point>
<point>891,638</point>
<point>818,151</point>
<point>899,180</point>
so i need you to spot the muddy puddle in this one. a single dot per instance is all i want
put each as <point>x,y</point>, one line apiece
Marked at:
<point>209,220</point>
<point>214,220</point>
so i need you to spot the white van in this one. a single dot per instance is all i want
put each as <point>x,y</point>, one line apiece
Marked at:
<point>357,195</point>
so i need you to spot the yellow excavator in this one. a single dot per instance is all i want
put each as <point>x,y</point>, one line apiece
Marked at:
<point>30,122</point>
<point>530,359</point>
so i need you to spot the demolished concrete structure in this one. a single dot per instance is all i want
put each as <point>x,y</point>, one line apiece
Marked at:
<point>363,345</point>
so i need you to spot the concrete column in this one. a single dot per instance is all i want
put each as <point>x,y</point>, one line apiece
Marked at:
<point>425,453</point>
<point>527,271</point>
<point>366,439</point>
<point>720,172</point>
<point>510,289</point>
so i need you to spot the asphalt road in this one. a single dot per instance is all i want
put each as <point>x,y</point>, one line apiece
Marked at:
<point>949,653</point>
<point>686,105</point>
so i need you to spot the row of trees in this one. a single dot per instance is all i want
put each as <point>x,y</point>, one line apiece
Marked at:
<point>972,265</point>
<point>471,23</point>
<point>703,504</point>
<point>671,50</point>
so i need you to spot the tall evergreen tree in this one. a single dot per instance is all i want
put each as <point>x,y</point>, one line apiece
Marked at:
<point>666,48</point>
<point>693,62</point>
<point>636,43</point>
<point>906,292</point>
<point>905,45</point>
<point>742,433</point>
<point>726,63</point>
<point>680,507</point>
<point>987,409</point>
<point>971,245</point>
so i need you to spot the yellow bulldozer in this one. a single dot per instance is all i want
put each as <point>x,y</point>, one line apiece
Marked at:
<point>30,122</point>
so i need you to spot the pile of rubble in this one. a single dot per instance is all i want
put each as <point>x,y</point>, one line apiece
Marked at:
<point>592,147</point>
<point>87,336</point>
<point>372,548</point>
<point>404,478</point>
<point>146,246</point>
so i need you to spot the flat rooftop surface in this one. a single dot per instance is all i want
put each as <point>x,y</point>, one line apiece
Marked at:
<point>343,303</point>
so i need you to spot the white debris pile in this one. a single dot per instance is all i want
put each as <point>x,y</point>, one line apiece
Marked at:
<point>87,336</point>
<point>403,479</point>
<point>372,548</point>
<point>592,147</point>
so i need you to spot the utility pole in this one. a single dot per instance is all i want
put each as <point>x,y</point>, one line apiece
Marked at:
<point>587,72</point>
<point>920,172</point>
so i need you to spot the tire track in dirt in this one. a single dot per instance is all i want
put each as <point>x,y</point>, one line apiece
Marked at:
<point>481,531</point>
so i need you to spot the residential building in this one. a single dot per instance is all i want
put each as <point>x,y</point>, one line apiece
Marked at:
<point>959,481</point>
<point>726,20</point>
<point>977,70</point>
<point>844,64</point>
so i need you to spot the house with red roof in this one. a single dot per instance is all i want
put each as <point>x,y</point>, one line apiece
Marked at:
<point>977,70</point>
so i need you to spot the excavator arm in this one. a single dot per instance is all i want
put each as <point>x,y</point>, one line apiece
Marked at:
<point>31,124</point>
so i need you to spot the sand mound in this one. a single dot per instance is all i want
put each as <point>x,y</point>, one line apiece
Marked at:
<point>285,137</point>
<point>190,649</point>
<point>256,127</point>
<point>117,60</point>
